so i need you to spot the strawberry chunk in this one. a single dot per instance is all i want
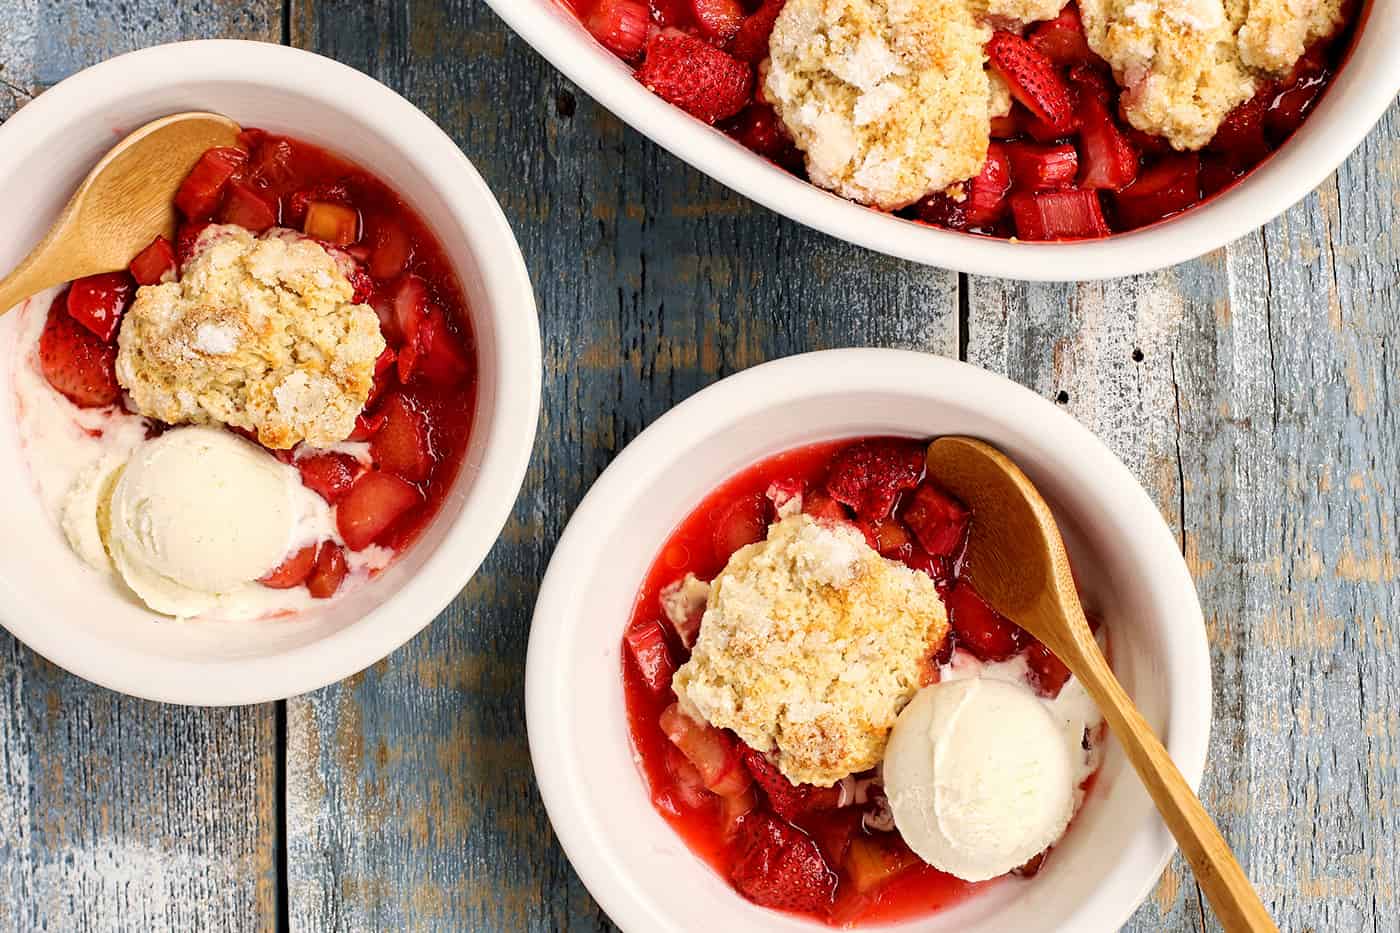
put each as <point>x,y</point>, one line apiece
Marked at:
<point>1109,160</point>
<point>98,302</point>
<point>939,522</point>
<point>1043,168</point>
<point>330,475</point>
<point>870,475</point>
<point>329,571</point>
<point>245,207</point>
<point>744,521</point>
<point>689,788</point>
<point>778,866</point>
<point>366,426</point>
<point>76,362</point>
<point>719,19</point>
<point>291,572</point>
<point>186,238</point>
<point>1169,187</point>
<point>986,194</point>
<point>1047,671</point>
<point>670,12</point>
<point>646,644</point>
<point>620,25</point>
<point>401,314</point>
<point>1062,39</point>
<point>733,809</point>
<point>787,799</point>
<point>980,628</point>
<point>751,42</point>
<point>393,250</point>
<point>201,190</point>
<point>336,224</point>
<point>711,750</point>
<point>1032,79</point>
<point>374,503</point>
<point>402,446</point>
<point>438,354</point>
<point>695,76</point>
<point>822,507</point>
<point>1059,215</point>
<point>760,131</point>
<point>154,263</point>
<point>1240,135</point>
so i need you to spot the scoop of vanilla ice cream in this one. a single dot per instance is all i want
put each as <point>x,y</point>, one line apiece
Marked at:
<point>980,777</point>
<point>198,513</point>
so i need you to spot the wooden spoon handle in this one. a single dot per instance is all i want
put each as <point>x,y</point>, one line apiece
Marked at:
<point>1234,899</point>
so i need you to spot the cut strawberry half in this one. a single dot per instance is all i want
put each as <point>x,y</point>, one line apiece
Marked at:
<point>939,521</point>
<point>331,223</point>
<point>245,207</point>
<point>1032,79</point>
<point>330,475</point>
<point>154,263</point>
<point>291,572</point>
<point>328,572</point>
<point>751,42</point>
<point>787,799</point>
<point>1059,215</point>
<point>778,866</point>
<point>1166,188</point>
<point>1108,160</point>
<point>1043,168</point>
<point>402,446</point>
<point>374,503</point>
<point>200,192</point>
<point>1062,39</point>
<point>620,25</point>
<point>646,644</point>
<point>393,250</point>
<point>670,12</point>
<point>744,522</point>
<point>98,302</point>
<point>870,475</point>
<point>711,750</point>
<point>980,628</point>
<point>872,860</point>
<point>986,193</point>
<point>1047,671</point>
<point>719,19</point>
<point>695,76</point>
<point>77,363</point>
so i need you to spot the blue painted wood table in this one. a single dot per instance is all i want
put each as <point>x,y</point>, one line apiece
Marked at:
<point>1252,392</point>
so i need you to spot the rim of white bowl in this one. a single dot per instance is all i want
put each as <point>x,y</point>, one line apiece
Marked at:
<point>514,414</point>
<point>650,454</point>
<point>1327,137</point>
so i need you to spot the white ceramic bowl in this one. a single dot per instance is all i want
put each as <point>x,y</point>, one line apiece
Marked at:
<point>80,624</point>
<point>634,864</point>
<point>1356,100</point>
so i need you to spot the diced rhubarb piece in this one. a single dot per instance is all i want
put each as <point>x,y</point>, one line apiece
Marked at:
<point>402,446</point>
<point>336,224</point>
<point>1062,39</point>
<point>1168,187</point>
<point>98,302</point>
<point>330,475</point>
<point>787,799</point>
<point>366,426</point>
<point>186,239</point>
<point>778,866</point>
<point>270,165</point>
<point>439,356</point>
<point>888,537</point>
<point>1146,143</point>
<point>937,520</point>
<point>372,505</point>
<point>393,250</point>
<point>246,208</point>
<point>697,77</point>
<point>711,750</point>
<point>832,831</point>
<point>1047,671</point>
<point>744,521</point>
<point>869,475</point>
<point>333,192</point>
<point>1032,78</point>
<point>291,572</point>
<point>400,317</point>
<point>329,571</point>
<point>751,42</point>
<point>1006,126</point>
<point>1043,168</point>
<point>683,605</point>
<point>202,189</point>
<point>1059,215</point>
<point>77,363</point>
<point>1042,132</point>
<point>154,263</point>
<point>646,644</point>
<point>1094,81</point>
<point>385,376</point>
<point>733,809</point>
<point>872,860</point>
<point>620,25</point>
<point>1108,160</point>
<point>822,507</point>
<point>689,786</point>
<point>980,628</point>
<point>1240,136</point>
<point>986,193</point>
<point>719,19</point>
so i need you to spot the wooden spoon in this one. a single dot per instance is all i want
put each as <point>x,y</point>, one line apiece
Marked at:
<point>122,205</point>
<point>1017,561</point>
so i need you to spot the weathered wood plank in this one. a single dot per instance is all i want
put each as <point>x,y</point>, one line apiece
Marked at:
<point>1258,416</point>
<point>410,789</point>
<point>117,814</point>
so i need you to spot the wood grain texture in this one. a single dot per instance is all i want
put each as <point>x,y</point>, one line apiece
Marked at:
<point>410,792</point>
<point>117,814</point>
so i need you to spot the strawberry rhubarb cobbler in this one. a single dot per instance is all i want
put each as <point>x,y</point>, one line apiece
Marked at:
<point>827,711</point>
<point>264,412</point>
<point>1028,118</point>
